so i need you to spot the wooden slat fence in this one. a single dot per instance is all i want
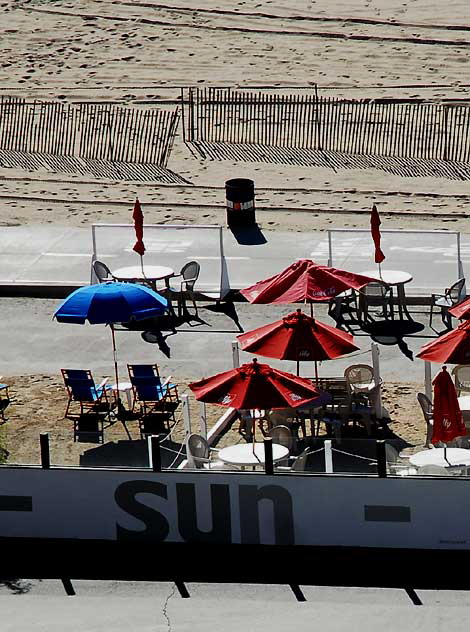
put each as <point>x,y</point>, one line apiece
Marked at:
<point>295,126</point>
<point>103,139</point>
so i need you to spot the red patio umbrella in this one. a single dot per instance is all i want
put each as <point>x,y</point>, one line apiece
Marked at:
<point>447,417</point>
<point>138,218</point>
<point>304,281</point>
<point>298,337</point>
<point>375,231</point>
<point>461,310</point>
<point>256,386</point>
<point>452,348</point>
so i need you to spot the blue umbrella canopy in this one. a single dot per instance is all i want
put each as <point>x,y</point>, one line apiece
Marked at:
<point>108,303</point>
<point>111,302</point>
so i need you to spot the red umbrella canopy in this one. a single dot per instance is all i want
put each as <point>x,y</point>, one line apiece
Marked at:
<point>304,281</point>
<point>461,310</point>
<point>375,231</point>
<point>255,386</point>
<point>447,417</point>
<point>453,347</point>
<point>138,218</point>
<point>298,337</point>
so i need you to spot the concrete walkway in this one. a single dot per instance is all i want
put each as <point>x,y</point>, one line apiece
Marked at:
<point>34,257</point>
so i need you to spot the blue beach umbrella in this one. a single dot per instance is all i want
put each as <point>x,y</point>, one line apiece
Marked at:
<point>109,303</point>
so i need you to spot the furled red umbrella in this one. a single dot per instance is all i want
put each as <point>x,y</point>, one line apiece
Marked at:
<point>447,417</point>
<point>138,218</point>
<point>461,310</point>
<point>453,347</point>
<point>255,386</point>
<point>298,337</point>
<point>304,281</point>
<point>375,231</point>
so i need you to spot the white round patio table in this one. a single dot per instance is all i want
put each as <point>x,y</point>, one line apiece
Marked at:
<point>396,278</point>
<point>455,456</point>
<point>242,454</point>
<point>391,277</point>
<point>151,273</point>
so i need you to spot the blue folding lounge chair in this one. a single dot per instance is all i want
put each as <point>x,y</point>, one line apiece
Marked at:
<point>81,389</point>
<point>153,394</point>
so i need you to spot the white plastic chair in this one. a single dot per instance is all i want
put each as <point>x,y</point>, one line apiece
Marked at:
<point>199,454</point>
<point>393,464</point>
<point>461,374</point>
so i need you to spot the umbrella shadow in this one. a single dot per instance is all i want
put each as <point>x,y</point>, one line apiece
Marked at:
<point>129,453</point>
<point>393,332</point>
<point>228,308</point>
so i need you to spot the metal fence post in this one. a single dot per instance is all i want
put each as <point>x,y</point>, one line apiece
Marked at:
<point>45,455</point>
<point>235,354</point>
<point>155,457</point>
<point>328,457</point>
<point>381,458</point>
<point>268,456</point>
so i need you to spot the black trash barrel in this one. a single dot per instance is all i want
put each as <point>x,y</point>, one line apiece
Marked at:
<point>240,195</point>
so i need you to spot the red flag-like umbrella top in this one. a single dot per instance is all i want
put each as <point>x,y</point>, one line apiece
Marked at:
<point>375,230</point>
<point>461,310</point>
<point>453,347</point>
<point>138,218</point>
<point>255,386</point>
<point>298,337</point>
<point>447,417</point>
<point>304,281</point>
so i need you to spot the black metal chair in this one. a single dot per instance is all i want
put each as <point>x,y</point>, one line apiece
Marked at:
<point>376,294</point>
<point>189,274</point>
<point>451,297</point>
<point>102,272</point>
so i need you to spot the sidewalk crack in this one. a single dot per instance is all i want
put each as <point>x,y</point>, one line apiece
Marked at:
<point>165,608</point>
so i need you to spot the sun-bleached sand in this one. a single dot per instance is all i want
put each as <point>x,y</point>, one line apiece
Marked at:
<point>128,52</point>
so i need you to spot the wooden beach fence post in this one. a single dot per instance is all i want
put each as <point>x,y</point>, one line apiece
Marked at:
<point>375,352</point>
<point>203,419</point>
<point>186,414</point>
<point>427,380</point>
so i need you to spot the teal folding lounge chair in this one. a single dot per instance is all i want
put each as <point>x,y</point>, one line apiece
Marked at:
<point>150,392</point>
<point>82,390</point>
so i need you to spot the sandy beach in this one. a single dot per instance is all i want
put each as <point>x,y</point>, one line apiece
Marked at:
<point>135,52</point>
